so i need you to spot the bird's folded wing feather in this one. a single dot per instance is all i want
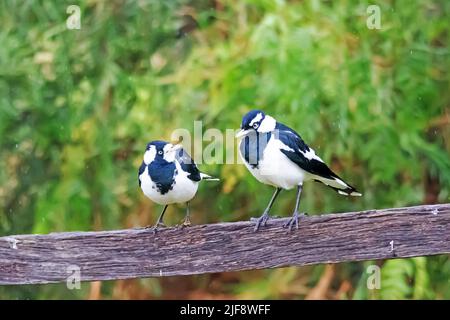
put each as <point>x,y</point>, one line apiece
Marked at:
<point>302,155</point>
<point>188,165</point>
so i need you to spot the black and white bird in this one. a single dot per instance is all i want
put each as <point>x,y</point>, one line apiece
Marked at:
<point>169,175</point>
<point>276,155</point>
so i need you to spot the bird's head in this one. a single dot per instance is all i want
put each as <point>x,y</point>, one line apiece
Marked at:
<point>160,150</point>
<point>256,120</point>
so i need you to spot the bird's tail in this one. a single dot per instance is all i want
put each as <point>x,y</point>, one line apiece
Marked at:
<point>339,186</point>
<point>207,177</point>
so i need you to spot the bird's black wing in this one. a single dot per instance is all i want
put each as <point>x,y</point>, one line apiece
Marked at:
<point>302,155</point>
<point>188,165</point>
<point>298,147</point>
<point>141,171</point>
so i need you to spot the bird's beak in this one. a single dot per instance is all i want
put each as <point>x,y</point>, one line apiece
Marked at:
<point>242,133</point>
<point>175,148</point>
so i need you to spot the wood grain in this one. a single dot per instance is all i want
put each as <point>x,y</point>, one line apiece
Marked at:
<point>134,253</point>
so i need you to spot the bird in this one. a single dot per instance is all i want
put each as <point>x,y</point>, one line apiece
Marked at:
<point>276,155</point>
<point>168,175</point>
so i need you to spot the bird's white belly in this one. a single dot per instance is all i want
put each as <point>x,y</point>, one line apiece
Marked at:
<point>183,190</point>
<point>277,170</point>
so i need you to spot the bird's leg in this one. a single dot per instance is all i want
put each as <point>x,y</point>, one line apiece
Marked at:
<point>265,216</point>
<point>187,218</point>
<point>159,222</point>
<point>296,215</point>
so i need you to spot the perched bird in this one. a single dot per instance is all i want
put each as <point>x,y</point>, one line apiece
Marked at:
<point>168,175</point>
<point>276,155</point>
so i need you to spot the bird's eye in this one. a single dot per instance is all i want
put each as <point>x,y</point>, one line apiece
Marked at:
<point>255,125</point>
<point>160,152</point>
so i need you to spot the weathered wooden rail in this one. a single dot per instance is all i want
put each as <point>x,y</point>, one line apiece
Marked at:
<point>329,238</point>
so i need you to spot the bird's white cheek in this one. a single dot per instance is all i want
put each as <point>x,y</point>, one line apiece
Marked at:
<point>170,156</point>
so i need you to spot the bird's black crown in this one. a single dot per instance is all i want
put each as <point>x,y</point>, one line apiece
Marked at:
<point>247,119</point>
<point>159,145</point>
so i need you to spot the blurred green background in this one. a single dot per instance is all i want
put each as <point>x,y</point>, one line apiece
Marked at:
<point>77,108</point>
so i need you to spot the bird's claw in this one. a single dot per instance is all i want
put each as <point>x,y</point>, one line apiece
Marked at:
<point>155,228</point>
<point>294,220</point>
<point>260,221</point>
<point>186,223</point>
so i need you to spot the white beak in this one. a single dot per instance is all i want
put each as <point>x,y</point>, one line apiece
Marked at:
<point>242,133</point>
<point>175,148</point>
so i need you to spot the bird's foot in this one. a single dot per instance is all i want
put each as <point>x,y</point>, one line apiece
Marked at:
<point>294,220</point>
<point>186,223</point>
<point>261,221</point>
<point>155,228</point>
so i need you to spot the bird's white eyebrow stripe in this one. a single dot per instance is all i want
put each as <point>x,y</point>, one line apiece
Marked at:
<point>149,155</point>
<point>257,118</point>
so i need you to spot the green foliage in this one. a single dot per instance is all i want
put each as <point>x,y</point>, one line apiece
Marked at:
<point>396,277</point>
<point>405,279</point>
<point>78,106</point>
